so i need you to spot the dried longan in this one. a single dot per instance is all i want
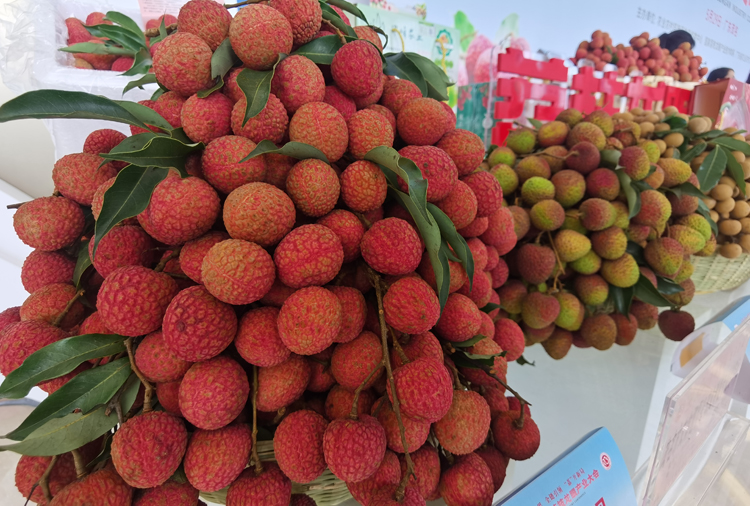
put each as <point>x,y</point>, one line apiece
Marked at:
<point>745,242</point>
<point>730,250</point>
<point>738,137</point>
<point>670,110</point>
<point>739,156</point>
<point>674,140</point>
<point>661,127</point>
<point>725,206</point>
<point>730,227</point>
<point>728,181</point>
<point>710,203</point>
<point>646,128</point>
<point>721,192</point>
<point>652,118</point>
<point>730,130</point>
<point>714,215</point>
<point>668,153</point>
<point>662,145</point>
<point>741,209</point>
<point>637,111</point>
<point>697,125</point>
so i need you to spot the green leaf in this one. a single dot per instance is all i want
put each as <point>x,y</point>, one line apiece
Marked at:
<point>667,286</point>
<point>159,92</point>
<point>256,85</point>
<point>712,169</point>
<point>686,189</point>
<point>333,17</point>
<point>522,361</point>
<point>621,298</point>
<point>379,31</point>
<point>610,158</point>
<point>712,134</point>
<point>471,342</point>
<point>222,61</point>
<point>632,193</point>
<point>139,83</point>
<point>127,23</point>
<point>691,153</point>
<point>348,7</point>
<point>437,81</point>
<point>298,150</point>
<point>407,170</point>
<point>94,48</point>
<point>735,169</point>
<point>706,213</point>
<point>648,293</point>
<point>72,431</point>
<point>141,64</point>
<point>490,307</point>
<point>636,251</point>
<point>733,144</point>
<point>128,197</point>
<point>321,50</point>
<point>454,239</point>
<point>57,359</point>
<point>159,151</point>
<point>82,263</point>
<point>535,123</point>
<point>47,104</point>
<point>675,122</point>
<point>401,66</point>
<point>120,36</point>
<point>105,453</point>
<point>85,391</point>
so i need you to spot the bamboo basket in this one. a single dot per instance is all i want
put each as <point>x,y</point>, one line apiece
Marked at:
<point>716,273</point>
<point>326,490</point>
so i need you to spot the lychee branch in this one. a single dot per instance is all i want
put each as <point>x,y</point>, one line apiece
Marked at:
<point>256,459</point>
<point>398,348</point>
<point>65,311</point>
<point>154,32</point>
<point>44,480</point>
<point>521,400</point>
<point>375,280</point>
<point>79,464</point>
<point>15,206</point>
<point>246,2</point>
<point>146,384</point>
<point>164,261</point>
<point>355,402</point>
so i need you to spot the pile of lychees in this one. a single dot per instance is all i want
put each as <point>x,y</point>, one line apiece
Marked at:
<point>290,295</point>
<point>606,225</point>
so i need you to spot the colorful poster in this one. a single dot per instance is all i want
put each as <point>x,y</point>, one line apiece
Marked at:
<point>591,473</point>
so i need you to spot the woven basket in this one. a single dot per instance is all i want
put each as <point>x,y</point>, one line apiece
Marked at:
<point>326,490</point>
<point>716,273</point>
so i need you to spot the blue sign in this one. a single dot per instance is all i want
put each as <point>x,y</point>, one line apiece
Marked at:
<point>590,473</point>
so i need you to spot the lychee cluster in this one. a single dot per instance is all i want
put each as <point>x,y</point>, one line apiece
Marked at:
<point>293,294</point>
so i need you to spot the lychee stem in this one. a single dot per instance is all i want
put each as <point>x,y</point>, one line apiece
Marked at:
<point>15,206</point>
<point>561,268</point>
<point>164,261</point>
<point>65,311</point>
<point>375,280</point>
<point>79,464</point>
<point>246,2</point>
<point>256,459</point>
<point>279,415</point>
<point>398,348</point>
<point>454,373</point>
<point>114,403</point>
<point>44,480</point>
<point>355,402</point>
<point>154,32</point>
<point>146,384</point>
<point>521,400</point>
<point>364,220</point>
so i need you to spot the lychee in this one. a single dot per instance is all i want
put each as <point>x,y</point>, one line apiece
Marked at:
<point>269,124</point>
<point>425,389</point>
<point>391,246</point>
<point>387,475</point>
<point>339,403</point>
<point>30,469</point>
<point>122,246</point>
<point>676,325</point>
<point>321,126</point>
<point>310,320</point>
<point>500,231</point>
<point>571,245</point>
<point>354,361</point>
<point>635,162</point>
<point>257,339</point>
<point>583,157</point>
<point>510,338</point>
<point>421,122</point>
<point>309,255</point>
<point>517,443</point>
<point>468,482</point>
<point>522,141</point>
<point>282,384</point>
<point>357,69</point>
<point>464,428</point>
<point>460,319</point>
<point>363,186</point>
<point>222,167</point>
<point>353,310</point>
<point>313,186</point>
<point>487,190</point>
<point>157,362</point>
<point>91,488</point>
<point>600,331</point>
<point>258,34</point>
<point>213,393</point>
<point>304,17</point>
<point>259,213</point>
<point>271,487</point>
<point>21,339</point>
<point>298,81</point>
<point>343,103</point>
<point>627,326</point>
<point>77,176</point>
<point>436,167</point>
<point>532,166</point>
<point>207,20</point>
<point>169,106</point>
<point>42,268</point>
<point>169,492</point>
<point>411,306</point>
<point>367,130</point>
<point>465,148</point>
<point>183,63</point>
<point>552,133</point>
<point>354,449</point>
<point>237,272</point>
<point>622,272</point>
<point>496,462</point>
<point>539,310</point>
<point>298,445</point>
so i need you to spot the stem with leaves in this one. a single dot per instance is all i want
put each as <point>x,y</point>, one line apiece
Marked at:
<point>256,459</point>
<point>377,283</point>
<point>146,384</point>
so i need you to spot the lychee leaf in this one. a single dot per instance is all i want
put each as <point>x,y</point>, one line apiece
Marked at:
<point>298,150</point>
<point>636,251</point>
<point>399,65</point>
<point>648,293</point>
<point>140,83</point>
<point>632,193</point>
<point>712,134</point>
<point>735,169</point>
<point>322,49</point>
<point>455,240</point>
<point>706,213</point>
<point>522,361</point>
<point>330,15</point>
<point>490,307</point>
<point>380,31</point>
<point>535,123</point>
<point>668,286</point>
<point>621,298</point>
<point>127,23</point>
<point>691,153</point>
<point>160,151</point>
<point>685,189</point>
<point>127,198</point>
<point>106,451</point>
<point>256,85</point>
<point>406,170</point>
<point>437,81</point>
<point>675,122</point>
<point>57,359</point>
<point>710,170</point>
<point>119,35</point>
<point>348,7</point>
<point>471,342</point>
<point>84,391</point>
<point>141,65</point>
<point>610,158</point>
<point>62,435</point>
<point>93,48</point>
<point>47,104</point>
<point>222,62</point>
<point>83,262</point>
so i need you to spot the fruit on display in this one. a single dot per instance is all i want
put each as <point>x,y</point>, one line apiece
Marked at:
<point>643,54</point>
<point>276,283</point>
